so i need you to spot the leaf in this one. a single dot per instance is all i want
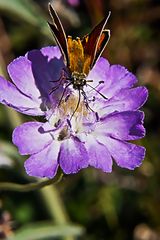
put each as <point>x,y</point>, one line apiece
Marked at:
<point>45,230</point>
<point>26,10</point>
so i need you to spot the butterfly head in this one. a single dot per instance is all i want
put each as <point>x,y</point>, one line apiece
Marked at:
<point>78,80</point>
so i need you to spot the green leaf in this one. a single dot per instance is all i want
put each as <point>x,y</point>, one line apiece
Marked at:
<point>27,11</point>
<point>46,230</point>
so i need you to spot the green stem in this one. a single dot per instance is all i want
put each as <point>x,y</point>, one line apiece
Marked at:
<point>28,187</point>
<point>55,207</point>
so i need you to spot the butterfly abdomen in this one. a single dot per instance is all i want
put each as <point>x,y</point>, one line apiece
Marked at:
<point>75,55</point>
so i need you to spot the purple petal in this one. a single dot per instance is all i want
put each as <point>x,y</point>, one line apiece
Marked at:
<point>74,2</point>
<point>99,157</point>
<point>119,78</point>
<point>30,139</point>
<point>73,156</point>
<point>51,52</point>
<point>123,125</point>
<point>115,78</point>
<point>46,68</point>
<point>12,97</point>
<point>20,71</point>
<point>126,99</point>
<point>99,73</point>
<point>44,163</point>
<point>126,155</point>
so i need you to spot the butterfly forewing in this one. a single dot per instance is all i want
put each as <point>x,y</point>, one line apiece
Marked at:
<point>103,40</point>
<point>95,42</point>
<point>59,34</point>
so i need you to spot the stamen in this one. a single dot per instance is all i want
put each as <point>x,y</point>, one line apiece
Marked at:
<point>66,99</point>
<point>57,123</point>
<point>69,123</point>
<point>86,101</point>
<point>97,91</point>
<point>97,116</point>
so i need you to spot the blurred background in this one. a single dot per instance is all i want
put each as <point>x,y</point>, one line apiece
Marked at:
<point>91,205</point>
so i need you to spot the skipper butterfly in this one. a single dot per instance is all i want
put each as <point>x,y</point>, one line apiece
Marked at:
<point>79,55</point>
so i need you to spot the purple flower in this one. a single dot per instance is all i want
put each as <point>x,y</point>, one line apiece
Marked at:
<point>74,135</point>
<point>73,2</point>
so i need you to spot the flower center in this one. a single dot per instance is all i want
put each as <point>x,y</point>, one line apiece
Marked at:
<point>72,103</point>
<point>69,117</point>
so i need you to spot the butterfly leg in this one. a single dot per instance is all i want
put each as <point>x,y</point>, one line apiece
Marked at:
<point>63,94</point>
<point>60,80</point>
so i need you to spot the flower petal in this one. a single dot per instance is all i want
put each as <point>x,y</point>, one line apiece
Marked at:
<point>46,68</point>
<point>51,52</point>
<point>74,3</point>
<point>124,125</point>
<point>99,157</point>
<point>12,97</point>
<point>20,71</point>
<point>125,100</point>
<point>73,156</point>
<point>126,155</point>
<point>113,79</point>
<point>119,78</point>
<point>44,163</point>
<point>30,139</point>
<point>99,72</point>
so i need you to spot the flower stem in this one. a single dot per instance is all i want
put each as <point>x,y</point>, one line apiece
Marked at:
<point>55,207</point>
<point>9,186</point>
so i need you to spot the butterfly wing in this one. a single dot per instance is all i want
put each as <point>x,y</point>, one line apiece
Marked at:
<point>94,44</point>
<point>59,34</point>
<point>102,42</point>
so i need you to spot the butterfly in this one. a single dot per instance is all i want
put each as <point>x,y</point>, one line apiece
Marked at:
<point>79,55</point>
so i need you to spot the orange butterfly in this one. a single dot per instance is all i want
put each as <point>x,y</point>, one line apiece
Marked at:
<point>79,55</point>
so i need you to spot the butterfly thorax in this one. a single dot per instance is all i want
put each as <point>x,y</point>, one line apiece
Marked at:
<point>78,80</point>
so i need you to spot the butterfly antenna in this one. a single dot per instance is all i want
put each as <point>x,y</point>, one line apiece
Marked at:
<point>97,91</point>
<point>79,99</point>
